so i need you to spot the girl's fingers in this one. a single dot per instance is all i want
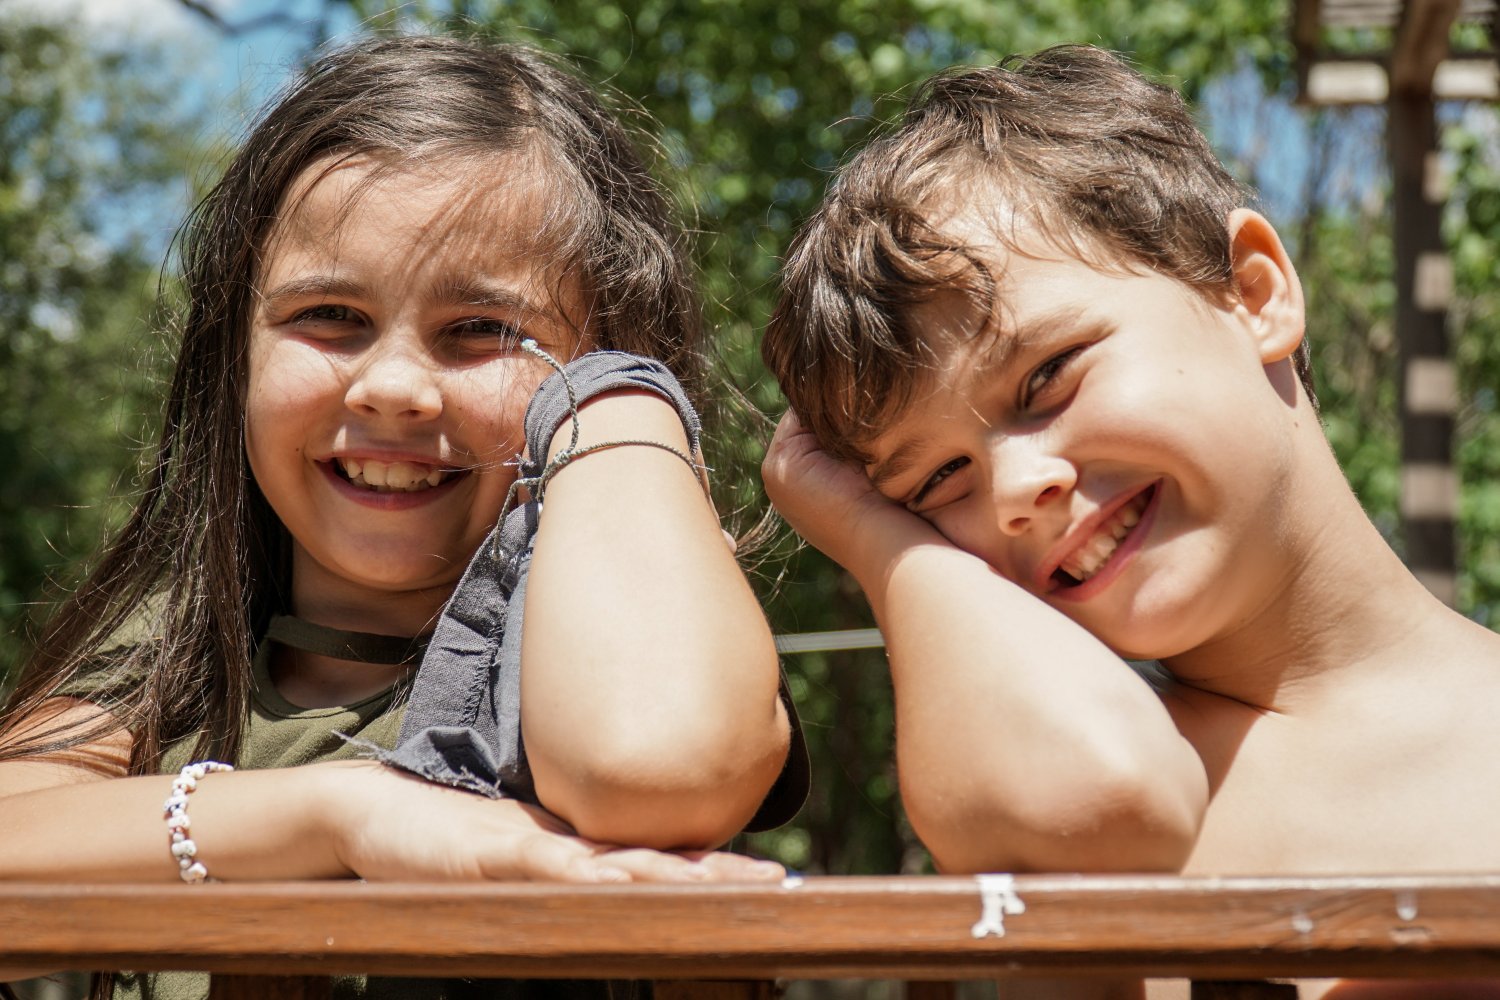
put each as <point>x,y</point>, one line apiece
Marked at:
<point>644,865</point>
<point>699,866</point>
<point>727,867</point>
<point>549,857</point>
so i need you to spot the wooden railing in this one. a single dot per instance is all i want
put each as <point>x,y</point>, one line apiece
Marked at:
<point>925,929</point>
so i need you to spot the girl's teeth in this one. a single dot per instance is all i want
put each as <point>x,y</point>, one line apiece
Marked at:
<point>391,476</point>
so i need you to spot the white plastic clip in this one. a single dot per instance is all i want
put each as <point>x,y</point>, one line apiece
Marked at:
<point>998,899</point>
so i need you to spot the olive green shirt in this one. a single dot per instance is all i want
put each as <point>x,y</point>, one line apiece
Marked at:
<point>281,734</point>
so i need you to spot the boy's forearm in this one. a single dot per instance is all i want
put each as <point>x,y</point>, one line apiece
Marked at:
<point>1023,742</point>
<point>650,673</point>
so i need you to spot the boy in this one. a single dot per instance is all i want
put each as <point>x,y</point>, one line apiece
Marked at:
<point>1051,406</point>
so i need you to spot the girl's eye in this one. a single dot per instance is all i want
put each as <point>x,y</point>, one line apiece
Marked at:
<point>934,481</point>
<point>1044,373</point>
<point>326,313</point>
<point>492,333</point>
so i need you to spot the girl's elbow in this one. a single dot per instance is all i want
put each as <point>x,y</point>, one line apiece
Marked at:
<point>684,795</point>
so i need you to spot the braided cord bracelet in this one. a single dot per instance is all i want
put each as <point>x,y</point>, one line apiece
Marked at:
<point>184,850</point>
<point>537,485</point>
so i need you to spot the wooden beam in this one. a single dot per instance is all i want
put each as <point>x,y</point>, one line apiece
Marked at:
<point>1366,81</point>
<point>911,928</point>
<point>1421,44</point>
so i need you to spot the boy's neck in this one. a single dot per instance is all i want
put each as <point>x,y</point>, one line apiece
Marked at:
<point>1344,603</point>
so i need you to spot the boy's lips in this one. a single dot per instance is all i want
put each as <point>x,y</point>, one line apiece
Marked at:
<point>1092,554</point>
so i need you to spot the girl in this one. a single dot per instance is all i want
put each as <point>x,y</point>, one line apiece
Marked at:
<point>339,438</point>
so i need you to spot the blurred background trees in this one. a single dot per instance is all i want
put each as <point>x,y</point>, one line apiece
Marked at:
<point>753,103</point>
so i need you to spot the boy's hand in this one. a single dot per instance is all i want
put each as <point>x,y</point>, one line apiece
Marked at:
<point>830,503</point>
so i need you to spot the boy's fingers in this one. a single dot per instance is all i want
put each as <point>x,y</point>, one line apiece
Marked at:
<point>790,425</point>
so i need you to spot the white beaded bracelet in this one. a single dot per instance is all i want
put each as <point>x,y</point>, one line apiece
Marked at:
<point>184,851</point>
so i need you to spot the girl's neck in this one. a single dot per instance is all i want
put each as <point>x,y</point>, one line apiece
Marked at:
<point>327,599</point>
<point>315,680</point>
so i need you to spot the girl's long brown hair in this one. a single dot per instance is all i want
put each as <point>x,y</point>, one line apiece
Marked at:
<point>202,563</point>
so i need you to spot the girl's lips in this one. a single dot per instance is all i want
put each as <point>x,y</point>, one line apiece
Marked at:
<point>390,500</point>
<point>1117,561</point>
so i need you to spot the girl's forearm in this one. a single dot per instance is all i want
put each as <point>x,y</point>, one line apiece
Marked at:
<point>649,687</point>
<point>247,825</point>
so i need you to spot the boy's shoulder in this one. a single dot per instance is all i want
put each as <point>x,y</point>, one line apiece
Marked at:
<point>1390,766</point>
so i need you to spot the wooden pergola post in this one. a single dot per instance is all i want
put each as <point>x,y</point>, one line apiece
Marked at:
<point>1427,386</point>
<point>1417,71</point>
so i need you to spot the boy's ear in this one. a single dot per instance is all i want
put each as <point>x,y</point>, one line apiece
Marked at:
<point>1270,296</point>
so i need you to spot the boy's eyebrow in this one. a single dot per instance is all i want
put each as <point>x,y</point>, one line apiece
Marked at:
<point>1005,345</point>
<point>897,463</point>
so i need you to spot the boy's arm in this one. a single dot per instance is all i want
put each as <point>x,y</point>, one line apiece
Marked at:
<point>1023,743</point>
<point>650,706</point>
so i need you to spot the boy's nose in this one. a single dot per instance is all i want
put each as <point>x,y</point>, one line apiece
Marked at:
<point>1027,482</point>
<point>394,381</point>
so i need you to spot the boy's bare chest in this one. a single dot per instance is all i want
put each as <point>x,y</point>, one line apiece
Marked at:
<point>1367,792</point>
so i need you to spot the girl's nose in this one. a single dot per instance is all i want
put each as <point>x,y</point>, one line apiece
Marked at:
<point>394,381</point>
<point>1028,481</point>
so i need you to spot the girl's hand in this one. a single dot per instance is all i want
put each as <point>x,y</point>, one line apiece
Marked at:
<point>828,502</point>
<point>390,826</point>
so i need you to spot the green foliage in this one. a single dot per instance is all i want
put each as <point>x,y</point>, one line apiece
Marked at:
<point>81,132</point>
<point>752,104</point>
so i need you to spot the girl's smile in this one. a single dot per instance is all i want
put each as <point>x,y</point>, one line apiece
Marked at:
<point>387,386</point>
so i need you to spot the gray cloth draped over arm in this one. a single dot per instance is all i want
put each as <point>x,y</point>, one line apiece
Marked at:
<point>462,726</point>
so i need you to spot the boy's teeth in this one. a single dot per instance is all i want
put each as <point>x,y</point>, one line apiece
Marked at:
<point>1088,558</point>
<point>402,477</point>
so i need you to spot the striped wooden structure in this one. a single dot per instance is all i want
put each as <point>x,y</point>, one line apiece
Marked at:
<point>1400,53</point>
<point>728,941</point>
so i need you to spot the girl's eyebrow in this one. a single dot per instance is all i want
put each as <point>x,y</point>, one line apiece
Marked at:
<point>314,284</point>
<point>486,294</point>
<point>476,292</point>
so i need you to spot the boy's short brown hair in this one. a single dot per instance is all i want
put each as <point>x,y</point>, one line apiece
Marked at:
<point>1101,161</point>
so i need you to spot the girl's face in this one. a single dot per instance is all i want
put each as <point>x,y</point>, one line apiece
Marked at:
<point>387,385</point>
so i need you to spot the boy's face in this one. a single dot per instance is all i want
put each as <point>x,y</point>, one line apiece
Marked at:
<point>1110,441</point>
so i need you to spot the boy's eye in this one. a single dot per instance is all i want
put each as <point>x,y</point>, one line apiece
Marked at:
<point>1043,374</point>
<point>934,481</point>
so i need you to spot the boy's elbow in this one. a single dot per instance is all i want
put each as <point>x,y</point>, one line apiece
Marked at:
<point>1117,820</point>
<point>694,791</point>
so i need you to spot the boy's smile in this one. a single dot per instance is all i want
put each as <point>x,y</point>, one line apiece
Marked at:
<point>1106,440</point>
<point>387,387</point>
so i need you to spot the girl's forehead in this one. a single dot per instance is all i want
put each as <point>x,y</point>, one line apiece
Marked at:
<point>436,232</point>
<point>355,204</point>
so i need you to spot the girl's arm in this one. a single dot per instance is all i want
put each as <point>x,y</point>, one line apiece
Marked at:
<point>1023,743</point>
<point>62,819</point>
<point>649,698</point>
